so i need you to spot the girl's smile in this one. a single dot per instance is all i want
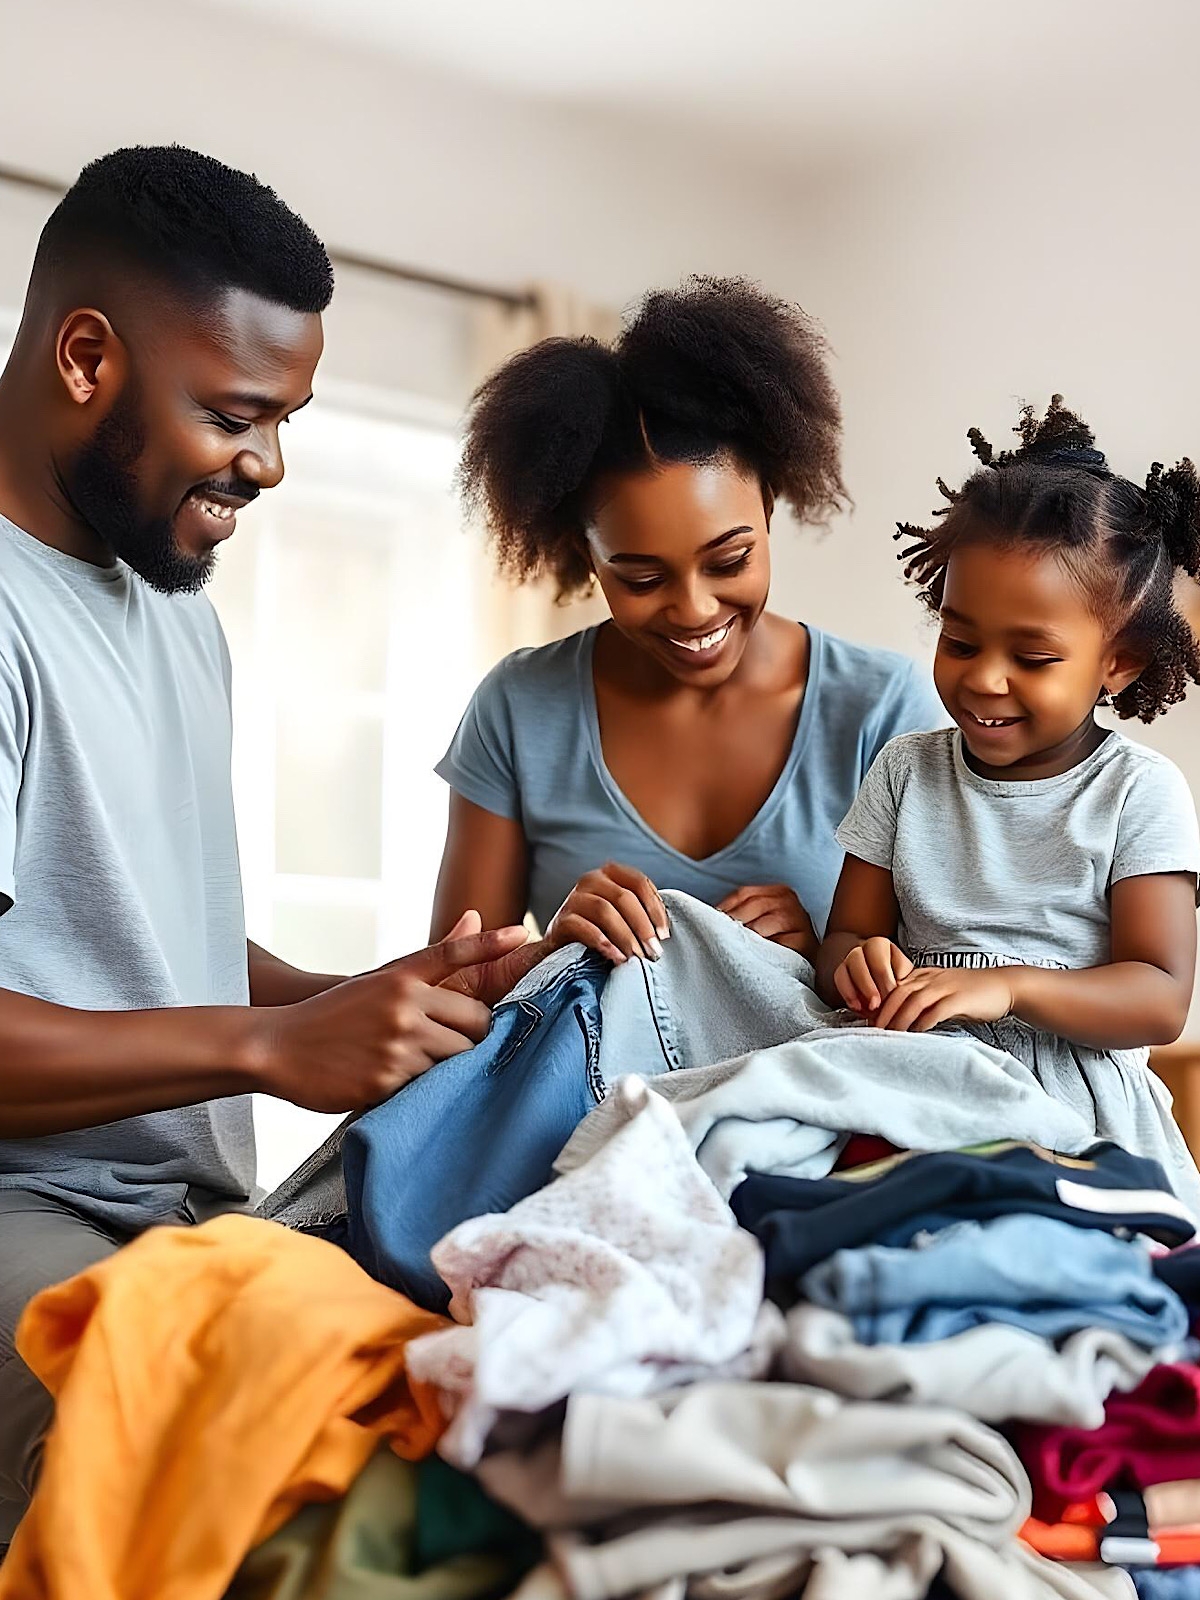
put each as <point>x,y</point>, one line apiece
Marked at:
<point>1022,660</point>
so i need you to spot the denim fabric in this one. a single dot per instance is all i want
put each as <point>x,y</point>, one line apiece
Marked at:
<point>478,1132</point>
<point>1167,1583</point>
<point>1029,1272</point>
<point>718,992</point>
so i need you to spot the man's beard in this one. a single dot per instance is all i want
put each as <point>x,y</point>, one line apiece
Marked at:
<point>103,487</point>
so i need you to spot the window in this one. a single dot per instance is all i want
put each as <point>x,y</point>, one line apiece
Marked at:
<point>352,600</point>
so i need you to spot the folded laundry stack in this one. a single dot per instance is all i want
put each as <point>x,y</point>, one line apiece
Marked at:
<point>680,1339</point>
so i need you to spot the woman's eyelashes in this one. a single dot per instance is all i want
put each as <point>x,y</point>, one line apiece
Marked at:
<point>724,569</point>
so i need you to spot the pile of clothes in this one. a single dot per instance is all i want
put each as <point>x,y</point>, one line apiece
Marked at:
<point>677,1320</point>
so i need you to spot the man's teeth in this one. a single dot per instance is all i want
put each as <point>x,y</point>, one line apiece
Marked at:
<point>706,643</point>
<point>212,509</point>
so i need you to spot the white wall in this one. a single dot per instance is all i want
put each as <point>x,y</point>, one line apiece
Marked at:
<point>383,161</point>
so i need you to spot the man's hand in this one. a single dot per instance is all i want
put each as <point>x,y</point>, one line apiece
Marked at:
<point>490,981</point>
<point>870,973</point>
<point>773,910</point>
<point>356,1044</point>
<point>930,995</point>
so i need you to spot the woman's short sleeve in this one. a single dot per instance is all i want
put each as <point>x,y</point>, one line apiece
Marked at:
<point>912,707</point>
<point>1157,829</point>
<point>481,761</point>
<point>869,829</point>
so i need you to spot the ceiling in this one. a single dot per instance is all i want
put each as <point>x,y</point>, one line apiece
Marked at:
<point>804,75</point>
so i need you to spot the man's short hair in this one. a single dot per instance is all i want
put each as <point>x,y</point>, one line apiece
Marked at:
<point>191,222</point>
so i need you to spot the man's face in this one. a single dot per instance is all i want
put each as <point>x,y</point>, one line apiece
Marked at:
<point>194,434</point>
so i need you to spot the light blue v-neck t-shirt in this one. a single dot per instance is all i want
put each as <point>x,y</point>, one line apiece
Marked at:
<point>528,748</point>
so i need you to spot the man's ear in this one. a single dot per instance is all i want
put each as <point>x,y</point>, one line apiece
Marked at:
<point>91,360</point>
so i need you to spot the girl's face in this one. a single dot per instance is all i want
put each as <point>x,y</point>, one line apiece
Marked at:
<point>682,556</point>
<point>1021,660</point>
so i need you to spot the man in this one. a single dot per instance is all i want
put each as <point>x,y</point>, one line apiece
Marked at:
<point>172,325</point>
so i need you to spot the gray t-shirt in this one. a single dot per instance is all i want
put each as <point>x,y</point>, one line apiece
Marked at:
<point>1019,871</point>
<point>529,748</point>
<point>119,880</point>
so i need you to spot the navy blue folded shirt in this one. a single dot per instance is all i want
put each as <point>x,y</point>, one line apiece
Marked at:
<point>801,1221</point>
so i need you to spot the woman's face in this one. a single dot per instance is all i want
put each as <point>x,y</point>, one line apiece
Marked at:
<point>682,555</point>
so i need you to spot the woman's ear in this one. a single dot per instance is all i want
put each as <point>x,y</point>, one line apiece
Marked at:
<point>768,495</point>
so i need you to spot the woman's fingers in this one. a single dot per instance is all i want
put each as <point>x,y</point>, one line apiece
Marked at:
<point>770,924</point>
<point>647,896</point>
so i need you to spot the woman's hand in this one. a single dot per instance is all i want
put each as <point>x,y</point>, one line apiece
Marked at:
<point>930,995</point>
<point>870,973</point>
<point>615,911</point>
<point>774,911</point>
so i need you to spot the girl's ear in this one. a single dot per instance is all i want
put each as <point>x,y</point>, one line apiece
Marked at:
<point>1122,669</point>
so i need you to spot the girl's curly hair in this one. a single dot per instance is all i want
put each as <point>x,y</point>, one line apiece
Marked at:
<point>1124,544</point>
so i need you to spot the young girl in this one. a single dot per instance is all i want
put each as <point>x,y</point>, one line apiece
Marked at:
<point>1029,874</point>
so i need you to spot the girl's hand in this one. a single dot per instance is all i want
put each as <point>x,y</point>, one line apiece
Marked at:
<point>871,973</point>
<point>774,911</point>
<point>615,911</point>
<point>930,995</point>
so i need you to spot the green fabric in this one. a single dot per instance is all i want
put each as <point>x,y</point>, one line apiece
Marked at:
<point>403,1532</point>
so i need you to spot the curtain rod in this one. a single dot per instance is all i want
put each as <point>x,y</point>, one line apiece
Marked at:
<point>513,299</point>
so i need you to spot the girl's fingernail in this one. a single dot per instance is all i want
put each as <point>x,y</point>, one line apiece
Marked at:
<point>655,949</point>
<point>665,931</point>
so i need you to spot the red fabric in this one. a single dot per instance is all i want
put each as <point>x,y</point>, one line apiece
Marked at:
<point>1150,1436</point>
<point>862,1149</point>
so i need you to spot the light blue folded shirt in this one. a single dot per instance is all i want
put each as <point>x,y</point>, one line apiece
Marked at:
<point>529,748</point>
<point>1031,1272</point>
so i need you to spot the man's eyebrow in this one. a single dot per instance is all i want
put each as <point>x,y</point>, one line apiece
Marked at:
<point>263,402</point>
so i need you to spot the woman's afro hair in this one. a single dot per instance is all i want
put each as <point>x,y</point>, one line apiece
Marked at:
<point>714,368</point>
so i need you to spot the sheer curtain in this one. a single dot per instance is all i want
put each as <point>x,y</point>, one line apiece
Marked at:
<point>529,614</point>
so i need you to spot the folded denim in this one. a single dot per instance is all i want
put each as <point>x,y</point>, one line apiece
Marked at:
<point>1029,1272</point>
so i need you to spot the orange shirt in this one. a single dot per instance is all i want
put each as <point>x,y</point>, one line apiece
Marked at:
<point>209,1381</point>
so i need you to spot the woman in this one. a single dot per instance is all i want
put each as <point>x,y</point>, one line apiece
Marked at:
<point>696,741</point>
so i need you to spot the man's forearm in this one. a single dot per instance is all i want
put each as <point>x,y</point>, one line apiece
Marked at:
<point>274,983</point>
<point>62,1069</point>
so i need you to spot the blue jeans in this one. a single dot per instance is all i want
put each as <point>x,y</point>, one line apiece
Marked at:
<point>478,1132</point>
